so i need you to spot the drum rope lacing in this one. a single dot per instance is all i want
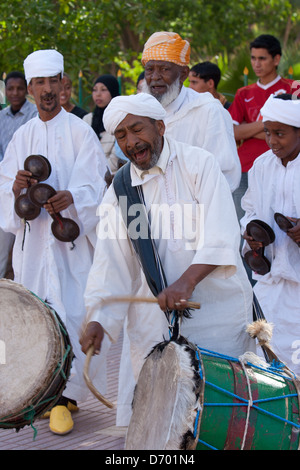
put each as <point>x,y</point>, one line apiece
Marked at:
<point>250,403</point>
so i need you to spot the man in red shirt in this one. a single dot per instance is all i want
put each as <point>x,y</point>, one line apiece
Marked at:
<point>245,109</point>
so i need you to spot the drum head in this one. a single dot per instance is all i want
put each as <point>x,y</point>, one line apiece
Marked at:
<point>40,193</point>
<point>261,232</point>
<point>166,400</point>
<point>39,166</point>
<point>32,349</point>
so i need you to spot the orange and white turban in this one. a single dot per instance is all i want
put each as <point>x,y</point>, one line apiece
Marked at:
<point>167,46</point>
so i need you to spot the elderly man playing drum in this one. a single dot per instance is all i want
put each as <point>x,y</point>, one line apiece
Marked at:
<point>52,268</point>
<point>194,118</point>
<point>195,232</point>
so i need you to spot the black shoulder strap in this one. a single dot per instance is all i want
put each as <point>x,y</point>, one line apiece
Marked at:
<point>143,244</point>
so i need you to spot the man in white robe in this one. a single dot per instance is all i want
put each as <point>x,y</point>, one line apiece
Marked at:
<point>193,118</point>
<point>274,187</point>
<point>43,264</point>
<point>198,241</point>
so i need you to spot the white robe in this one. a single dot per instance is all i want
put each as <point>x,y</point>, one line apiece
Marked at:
<point>46,266</point>
<point>199,119</point>
<point>188,175</point>
<point>275,188</point>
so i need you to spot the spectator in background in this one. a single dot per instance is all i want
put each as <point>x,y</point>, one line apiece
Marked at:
<point>245,110</point>
<point>206,76</point>
<point>139,83</point>
<point>105,88</point>
<point>65,98</point>
<point>19,111</point>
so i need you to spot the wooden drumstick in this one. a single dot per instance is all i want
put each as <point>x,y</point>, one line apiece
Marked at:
<point>88,381</point>
<point>152,300</point>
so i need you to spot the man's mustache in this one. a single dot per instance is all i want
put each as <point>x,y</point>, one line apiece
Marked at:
<point>47,96</point>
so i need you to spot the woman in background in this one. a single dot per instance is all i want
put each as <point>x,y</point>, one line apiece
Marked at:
<point>105,88</point>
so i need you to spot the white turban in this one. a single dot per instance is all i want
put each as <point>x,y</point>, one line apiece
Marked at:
<point>44,63</point>
<point>280,110</point>
<point>141,104</point>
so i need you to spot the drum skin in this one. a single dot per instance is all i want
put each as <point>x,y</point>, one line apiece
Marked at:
<point>38,356</point>
<point>223,421</point>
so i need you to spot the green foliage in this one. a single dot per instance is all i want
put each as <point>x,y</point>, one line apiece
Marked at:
<point>100,36</point>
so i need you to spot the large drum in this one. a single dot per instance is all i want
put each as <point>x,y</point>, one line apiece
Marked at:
<point>35,356</point>
<point>190,398</point>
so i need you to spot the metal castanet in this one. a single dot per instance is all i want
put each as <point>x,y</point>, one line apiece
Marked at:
<point>63,228</point>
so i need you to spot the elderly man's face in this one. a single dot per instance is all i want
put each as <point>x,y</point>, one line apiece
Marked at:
<point>141,140</point>
<point>164,78</point>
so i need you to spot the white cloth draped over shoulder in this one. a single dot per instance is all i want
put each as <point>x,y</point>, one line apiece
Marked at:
<point>46,266</point>
<point>185,178</point>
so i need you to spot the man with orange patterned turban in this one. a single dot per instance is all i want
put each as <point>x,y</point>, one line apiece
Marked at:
<point>192,118</point>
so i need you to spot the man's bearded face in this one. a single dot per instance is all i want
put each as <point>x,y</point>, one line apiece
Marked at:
<point>163,81</point>
<point>141,140</point>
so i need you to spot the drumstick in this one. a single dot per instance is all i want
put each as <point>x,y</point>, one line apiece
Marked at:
<point>152,300</point>
<point>128,299</point>
<point>88,381</point>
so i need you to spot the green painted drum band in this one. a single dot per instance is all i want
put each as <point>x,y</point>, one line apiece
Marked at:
<point>273,420</point>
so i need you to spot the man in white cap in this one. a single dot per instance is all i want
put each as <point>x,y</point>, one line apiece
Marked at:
<point>41,262</point>
<point>195,229</point>
<point>274,188</point>
<point>193,118</point>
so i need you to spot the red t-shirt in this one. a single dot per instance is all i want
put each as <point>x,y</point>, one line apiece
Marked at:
<point>246,107</point>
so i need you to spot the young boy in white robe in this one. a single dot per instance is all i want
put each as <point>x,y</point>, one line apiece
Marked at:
<point>274,188</point>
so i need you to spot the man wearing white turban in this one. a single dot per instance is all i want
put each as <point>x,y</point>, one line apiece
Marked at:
<point>193,118</point>
<point>195,228</point>
<point>42,263</point>
<point>274,188</point>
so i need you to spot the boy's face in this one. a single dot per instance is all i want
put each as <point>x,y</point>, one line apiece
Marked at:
<point>198,84</point>
<point>16,91</point>
<point>283,140</point>
<point>263,64</point>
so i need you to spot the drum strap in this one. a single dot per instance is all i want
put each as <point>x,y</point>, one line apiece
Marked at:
<point>144,245</point>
